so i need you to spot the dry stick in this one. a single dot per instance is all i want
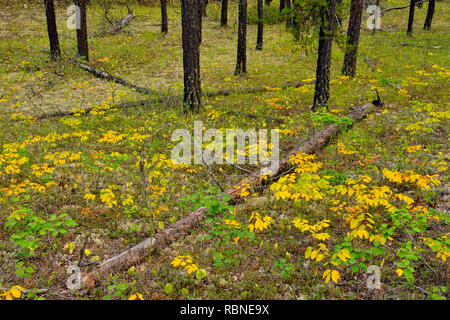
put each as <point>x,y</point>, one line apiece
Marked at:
<point>403,7</point>
<point>372,67</point>
<point>86,239</point>
<point>184,226</point>
<point>117,26</point>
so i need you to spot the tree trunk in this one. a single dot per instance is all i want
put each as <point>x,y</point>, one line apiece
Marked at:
<point>353,31</point>
<point>294,21</point>
<point>164,24</point>
<point>282,5</point>
<point>259,40</point>
<point>289,19</point>
<point>55,51</point>
<point>412,6</point>
<point>241,66</point>
<point>82,37</point>
<point>430,13</point>
<point>190,11</point>
<point>322,90</point>
<point>224,14</point>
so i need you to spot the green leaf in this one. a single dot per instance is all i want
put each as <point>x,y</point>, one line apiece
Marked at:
<point>201,273</point>
<point>168,288</point>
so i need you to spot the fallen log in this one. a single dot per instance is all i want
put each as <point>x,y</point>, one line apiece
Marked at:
<point>87,110</point>
<point>184,226</point>
<point>311,146</point>
<point>161,98</point>
<point>404,44</point>
<point>227,92</point>
<point>107,76</point>
<point>173,232</point>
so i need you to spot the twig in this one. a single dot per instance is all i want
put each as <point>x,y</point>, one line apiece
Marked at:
<point>402,7</point>
<point>37,291</point>
<point>86,239</point>
<point>214,177</point>
<point>412,239</point>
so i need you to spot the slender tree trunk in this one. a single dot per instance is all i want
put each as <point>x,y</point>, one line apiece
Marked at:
<point>322,90</point>
<point>55,51</point>
<point>289,19</point>
<point>430,13</point>
<point>282,5</point>
<point>268,2</point>
<point>164,24</point>
<point>353,31</point>
<point>259,40</point>
<point>190,10</point>
<point>294,21</point>
<point>224,14</point>
<point>412,6</point>
<point>82,38</point>
<point>241,66</point>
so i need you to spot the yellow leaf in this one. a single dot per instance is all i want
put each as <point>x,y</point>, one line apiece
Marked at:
<point>308,252</point>
<point>16,291</point>
<point>335,276</point>
<point>326,275</point>
<point>399,272</point>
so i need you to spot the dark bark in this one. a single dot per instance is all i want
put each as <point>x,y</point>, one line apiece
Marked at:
<point>259,40</point>
<point>294,20</point>
<point>241,66</point>
<point>289,19</point>
<point>55,51</point>
<point>200,19</point>
<point>353,31</point>
<point>190,12</point>
<point>82,37</point>
<point>322,90</point>
<point>412,6</point>
<point>268,2</point>
<point>282,5</point>
<point>430,13</point>
<point>224,13</point>
<point>164,24</point>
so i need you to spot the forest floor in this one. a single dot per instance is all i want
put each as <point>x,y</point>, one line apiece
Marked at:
<point>376,196</point>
